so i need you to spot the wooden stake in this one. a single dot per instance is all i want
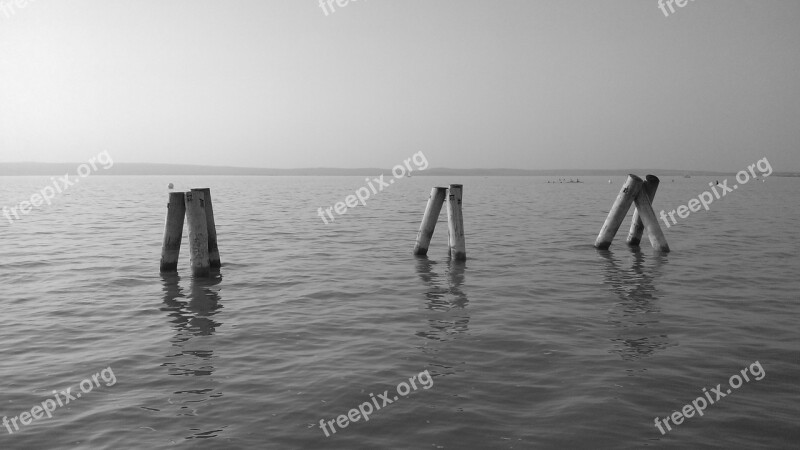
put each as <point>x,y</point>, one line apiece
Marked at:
<point>198,232</point>
<point>455,224</point>
<point>657,239</point>
<point>211,226</point>
<point>173,231</point>
<point>429,219</point>
<point>618,210</point>
<point>649,186</point>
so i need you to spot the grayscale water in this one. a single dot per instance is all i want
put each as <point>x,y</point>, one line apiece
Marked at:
<point>537,341</point>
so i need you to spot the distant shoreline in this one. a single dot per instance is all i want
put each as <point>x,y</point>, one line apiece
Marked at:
<point>34,169</point>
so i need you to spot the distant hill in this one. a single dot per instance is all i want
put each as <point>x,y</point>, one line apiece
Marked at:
<point>21,169</point>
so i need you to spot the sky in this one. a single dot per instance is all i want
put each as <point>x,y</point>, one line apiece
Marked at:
<point>526,84</point>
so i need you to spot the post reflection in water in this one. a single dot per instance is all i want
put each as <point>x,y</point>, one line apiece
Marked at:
<point>448,314</point>
<point>636,315</point>
<point>438,298</point>
<point>191,354</point>
<point>192,318</point>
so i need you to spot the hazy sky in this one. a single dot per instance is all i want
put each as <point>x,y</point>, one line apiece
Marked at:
<point>529,84</point>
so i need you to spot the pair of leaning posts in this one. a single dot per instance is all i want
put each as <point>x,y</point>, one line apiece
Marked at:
<point>455,222</point>
<point>640,193</point>
<point>195,206</point>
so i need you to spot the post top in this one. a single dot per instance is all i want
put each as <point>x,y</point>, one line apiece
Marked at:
<point>651,179</point>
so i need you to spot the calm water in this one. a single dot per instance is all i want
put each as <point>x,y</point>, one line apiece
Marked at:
<point>537,341</point>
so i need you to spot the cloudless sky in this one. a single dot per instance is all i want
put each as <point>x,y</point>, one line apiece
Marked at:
<point>532,84</point>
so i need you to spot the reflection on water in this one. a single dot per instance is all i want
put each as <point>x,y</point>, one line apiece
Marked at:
<point>191,354</point>
<point>439,298</point>
<point>636,315</point>
<point>448,315</point>
<point>192,318</point>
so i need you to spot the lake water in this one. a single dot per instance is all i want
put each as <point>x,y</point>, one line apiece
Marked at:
<point>537,341</point>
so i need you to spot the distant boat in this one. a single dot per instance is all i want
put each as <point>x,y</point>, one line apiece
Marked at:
<point>687,176</point>
<point>609,181</point>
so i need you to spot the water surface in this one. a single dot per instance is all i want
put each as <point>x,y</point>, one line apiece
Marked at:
<point>537,341</point>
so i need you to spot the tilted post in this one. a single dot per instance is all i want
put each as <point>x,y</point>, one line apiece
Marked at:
<point>173,231</point>
<point>649,186</point>
<point>429,219</point>
<point>657,239</point>
<point>618,210</point>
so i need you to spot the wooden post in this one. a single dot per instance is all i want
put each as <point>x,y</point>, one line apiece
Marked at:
<point>198,232</point>
<point>455,224</point>
<point>637,227</point>
<point>213,251</point>
<point>429,219</point>
<point>657,239</point>
<point>173,231</point>
<point>618,210</point>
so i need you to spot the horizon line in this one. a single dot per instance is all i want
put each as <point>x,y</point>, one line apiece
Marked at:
<point>420,171</point>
